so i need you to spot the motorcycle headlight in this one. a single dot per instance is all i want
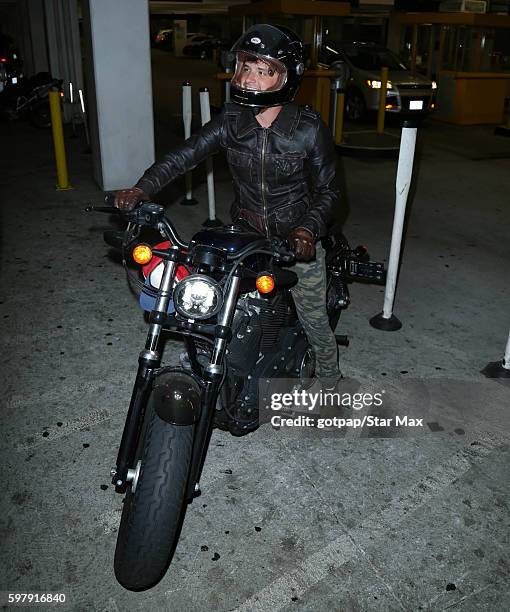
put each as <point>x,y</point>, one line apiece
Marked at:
<point>197,297</point>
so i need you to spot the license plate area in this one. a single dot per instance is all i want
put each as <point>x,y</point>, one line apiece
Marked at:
<point>415,104</point>
<point>368,271</point>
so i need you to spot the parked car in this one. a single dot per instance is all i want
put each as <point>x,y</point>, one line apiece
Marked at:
<point>406,92</point>
<point>10,63</point>
<point>164,39</point>
<point>201,45</point>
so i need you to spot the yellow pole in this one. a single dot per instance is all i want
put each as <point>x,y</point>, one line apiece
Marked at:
<point>318,94</point>
<point>414,49</point>
<point>382,100</point>
<point>325,99</point>
<point>58,141</point>
<point>339,123</point>
<point>432,40</point>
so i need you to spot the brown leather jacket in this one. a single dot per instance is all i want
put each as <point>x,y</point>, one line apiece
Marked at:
<point>283,176</point>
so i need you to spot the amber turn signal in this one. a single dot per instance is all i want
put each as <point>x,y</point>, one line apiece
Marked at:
<point>265,283</point>
<point>142,254</point>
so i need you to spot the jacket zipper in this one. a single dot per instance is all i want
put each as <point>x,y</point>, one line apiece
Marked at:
<point>262,177</point>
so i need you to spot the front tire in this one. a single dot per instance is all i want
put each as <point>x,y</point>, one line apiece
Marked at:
<point>355,107</point>
<point>152,515</point>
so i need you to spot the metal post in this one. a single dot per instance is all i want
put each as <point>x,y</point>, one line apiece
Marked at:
<point>339,123</point>
<point>386,320</point>
<point>336,116</point>
<point>188,200</point>
<point>73,114</point>
<point>432,44</point>
<point>318,95</point>
<point>414,49</point>
<point>336,112</point>
<point>333,104</point>
<point>58,141</point>
<point>205,114</point>
<point>440,53</point>
<point>382,100</point>
<point>499,369</point>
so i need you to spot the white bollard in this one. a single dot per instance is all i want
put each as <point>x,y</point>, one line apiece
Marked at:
<point>386,320</point>
<point>506,358</point>
<point>84,117</point>
<point>205,115</point>
<point>186,118</point>
<point>71,102</point>
<point>499,369</point>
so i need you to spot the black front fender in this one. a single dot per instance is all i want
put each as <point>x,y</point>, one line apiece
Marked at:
<point>176,396</point>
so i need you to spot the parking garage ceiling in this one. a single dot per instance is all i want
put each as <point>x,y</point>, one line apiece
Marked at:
<point>211,7</point>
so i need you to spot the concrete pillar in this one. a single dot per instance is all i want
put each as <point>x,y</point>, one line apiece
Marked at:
<point>119,90</point>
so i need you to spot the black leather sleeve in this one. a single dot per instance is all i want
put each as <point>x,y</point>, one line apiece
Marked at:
<point>324,191</point>
<point>184,158</point>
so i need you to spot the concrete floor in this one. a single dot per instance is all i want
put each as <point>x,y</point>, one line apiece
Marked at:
<point>307,519</point>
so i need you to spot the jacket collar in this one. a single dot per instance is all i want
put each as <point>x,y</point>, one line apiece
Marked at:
<point>284,125</point>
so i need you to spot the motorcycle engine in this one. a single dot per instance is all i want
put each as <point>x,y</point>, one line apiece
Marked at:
<point>255,333</point>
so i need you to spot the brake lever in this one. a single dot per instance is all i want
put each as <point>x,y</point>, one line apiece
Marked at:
<point>129,215</point>
<point>286,258</point>
<point>282,253</point>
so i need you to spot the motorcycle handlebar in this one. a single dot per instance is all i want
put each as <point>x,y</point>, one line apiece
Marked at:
<point>109,199</point>
<point>144,213</point>
<point>152,214</point>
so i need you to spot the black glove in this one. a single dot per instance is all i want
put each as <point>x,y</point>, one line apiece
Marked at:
<point>303,241</point>
<point>127,199</point>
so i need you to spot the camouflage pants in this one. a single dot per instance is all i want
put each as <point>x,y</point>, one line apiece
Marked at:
<point>310,299</point>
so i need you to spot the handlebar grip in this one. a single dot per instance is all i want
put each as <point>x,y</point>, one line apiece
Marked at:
<point>284,252</point>
<point>109,199</point>
<point>103,209</point>
<point>287,257</point>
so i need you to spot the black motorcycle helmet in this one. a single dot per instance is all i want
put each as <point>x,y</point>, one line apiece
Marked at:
<point>280,51</point>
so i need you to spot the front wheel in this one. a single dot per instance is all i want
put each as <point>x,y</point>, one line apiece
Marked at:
<point>153,512</point>
<point>355,107</point>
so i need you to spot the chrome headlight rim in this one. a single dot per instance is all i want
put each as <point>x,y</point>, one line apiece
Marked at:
<point>181,287</point>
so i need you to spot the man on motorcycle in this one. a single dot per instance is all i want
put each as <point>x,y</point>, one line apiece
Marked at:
<point>282,160</point>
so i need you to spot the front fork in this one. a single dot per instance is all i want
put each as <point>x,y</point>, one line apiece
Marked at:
<point>148,360</point>
<point>212,377</point>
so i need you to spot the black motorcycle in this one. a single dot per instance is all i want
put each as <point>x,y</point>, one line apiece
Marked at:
<point>233,308</point>
<point>28,98</point>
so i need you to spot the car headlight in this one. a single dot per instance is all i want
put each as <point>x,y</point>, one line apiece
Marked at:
<point>434,85</point>
<point>197,297</point>
<point>377,84</point>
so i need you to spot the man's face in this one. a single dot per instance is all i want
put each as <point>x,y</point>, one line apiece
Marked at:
<point>258,76</point>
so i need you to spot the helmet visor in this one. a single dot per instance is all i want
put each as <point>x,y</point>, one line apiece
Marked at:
<point>256,72</point>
